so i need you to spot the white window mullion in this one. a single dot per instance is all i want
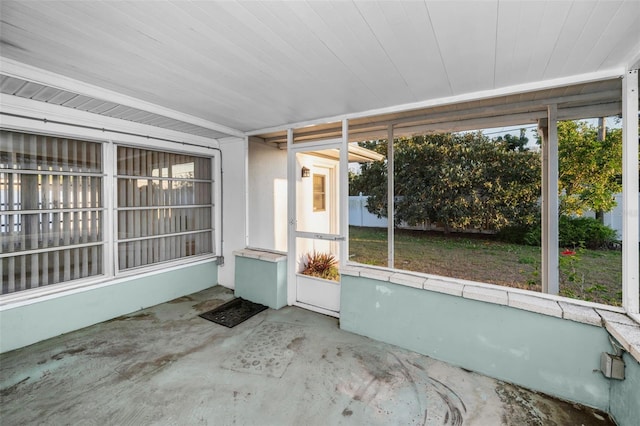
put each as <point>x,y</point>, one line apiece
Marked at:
<point>11,199</point>
<point>45,216</point>
<point>23,273</point>
<point>12,275</point>
<point>109,220</point>
<point>55,217</point>
<point>142,214</point>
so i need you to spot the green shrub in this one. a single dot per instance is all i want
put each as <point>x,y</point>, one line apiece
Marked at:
<point>515,234</point>
<point>574,232</point>
<point>533,237</point>
<point>584,232</point>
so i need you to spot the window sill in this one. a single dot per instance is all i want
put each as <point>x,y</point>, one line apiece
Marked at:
<point>625,329</point>
<point>262,254</point>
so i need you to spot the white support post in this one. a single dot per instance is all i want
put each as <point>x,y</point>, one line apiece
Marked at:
<point>630,226</point>
<point>247,230</point>
<point>291,214</point>
<point>390,199</point>
<point>550,253</point>
<point>344,194</point>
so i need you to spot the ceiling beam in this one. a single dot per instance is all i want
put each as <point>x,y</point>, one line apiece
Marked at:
<point>457,121</point>
<point>456,99</point>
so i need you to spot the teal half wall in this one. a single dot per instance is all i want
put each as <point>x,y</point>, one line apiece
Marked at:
<point>553,355</point>
<point>53,315</point>
<point>261,277</point>
<point>625,394</point>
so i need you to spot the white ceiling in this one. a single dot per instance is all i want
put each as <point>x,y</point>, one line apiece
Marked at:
<point>51,95</point>
<point>259,65</point>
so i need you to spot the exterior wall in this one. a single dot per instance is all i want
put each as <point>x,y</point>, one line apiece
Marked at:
<point>625,394</point>
<point>267,212</point>
<point>234,209</point>
<point>39,315</point>
<point>548,354</point>
<point>46,317</point>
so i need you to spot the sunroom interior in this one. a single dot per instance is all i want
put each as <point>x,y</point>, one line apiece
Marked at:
<point>170,156</point>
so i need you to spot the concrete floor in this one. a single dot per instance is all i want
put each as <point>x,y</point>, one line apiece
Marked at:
<point>165,365</point>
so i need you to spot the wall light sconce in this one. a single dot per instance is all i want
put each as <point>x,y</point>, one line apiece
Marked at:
<point>306,172</point>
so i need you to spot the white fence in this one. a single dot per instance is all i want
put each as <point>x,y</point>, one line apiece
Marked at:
<point>613,219</point>
<point>360,216</point>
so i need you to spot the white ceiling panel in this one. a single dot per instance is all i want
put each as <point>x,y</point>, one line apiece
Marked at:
<point>624,24</point>
<point>467,43</point>
<point>580,30</point>
<point>518,25</point>
<point>553,20</point>
<point>426,71</point>
<point>418,73</point>
<point>256,65</point>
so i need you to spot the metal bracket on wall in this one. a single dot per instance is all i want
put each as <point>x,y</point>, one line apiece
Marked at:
<point>612,366</point>
<point>220,260</point>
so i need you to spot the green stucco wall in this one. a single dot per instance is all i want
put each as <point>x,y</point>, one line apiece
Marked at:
<point>625,394</point>
<point>261,281</point>
<point>540,352</point>
<point>51,316</point>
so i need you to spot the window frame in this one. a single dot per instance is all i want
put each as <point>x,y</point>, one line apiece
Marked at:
<point>162,265</point>
<point>72,211</point>
<point>109,229</point>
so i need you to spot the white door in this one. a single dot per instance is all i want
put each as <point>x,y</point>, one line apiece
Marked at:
<point>315,223</point>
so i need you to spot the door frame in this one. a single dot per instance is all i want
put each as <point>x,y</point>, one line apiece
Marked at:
<point>340,183</point>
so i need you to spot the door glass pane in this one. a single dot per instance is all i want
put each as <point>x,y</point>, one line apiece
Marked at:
<point>317,192</point>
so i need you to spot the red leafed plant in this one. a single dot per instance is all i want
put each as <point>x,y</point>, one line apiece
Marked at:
<point>321,265</point>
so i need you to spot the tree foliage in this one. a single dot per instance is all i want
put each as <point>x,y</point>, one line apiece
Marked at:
<point>460,181</point>
<point>589,170</point>
<point>515,143</point>
<point>372,175</point>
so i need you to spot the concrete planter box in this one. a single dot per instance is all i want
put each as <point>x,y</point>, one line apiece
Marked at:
<point>261,277</point>
<point>318,292</point>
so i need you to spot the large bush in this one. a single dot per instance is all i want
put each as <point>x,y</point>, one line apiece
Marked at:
<point>573,232</point>
<point>460,181</point>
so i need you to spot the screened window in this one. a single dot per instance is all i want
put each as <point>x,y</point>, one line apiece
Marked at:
<point>51,210</point>
<point>164,206</point>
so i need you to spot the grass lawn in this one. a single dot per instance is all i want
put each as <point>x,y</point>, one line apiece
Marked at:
<point>594,275</point>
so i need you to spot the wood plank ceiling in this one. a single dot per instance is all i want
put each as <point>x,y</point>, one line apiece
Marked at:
<point>262,65</point>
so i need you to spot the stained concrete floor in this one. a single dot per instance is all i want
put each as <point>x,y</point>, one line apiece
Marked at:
<point>166,365</point>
